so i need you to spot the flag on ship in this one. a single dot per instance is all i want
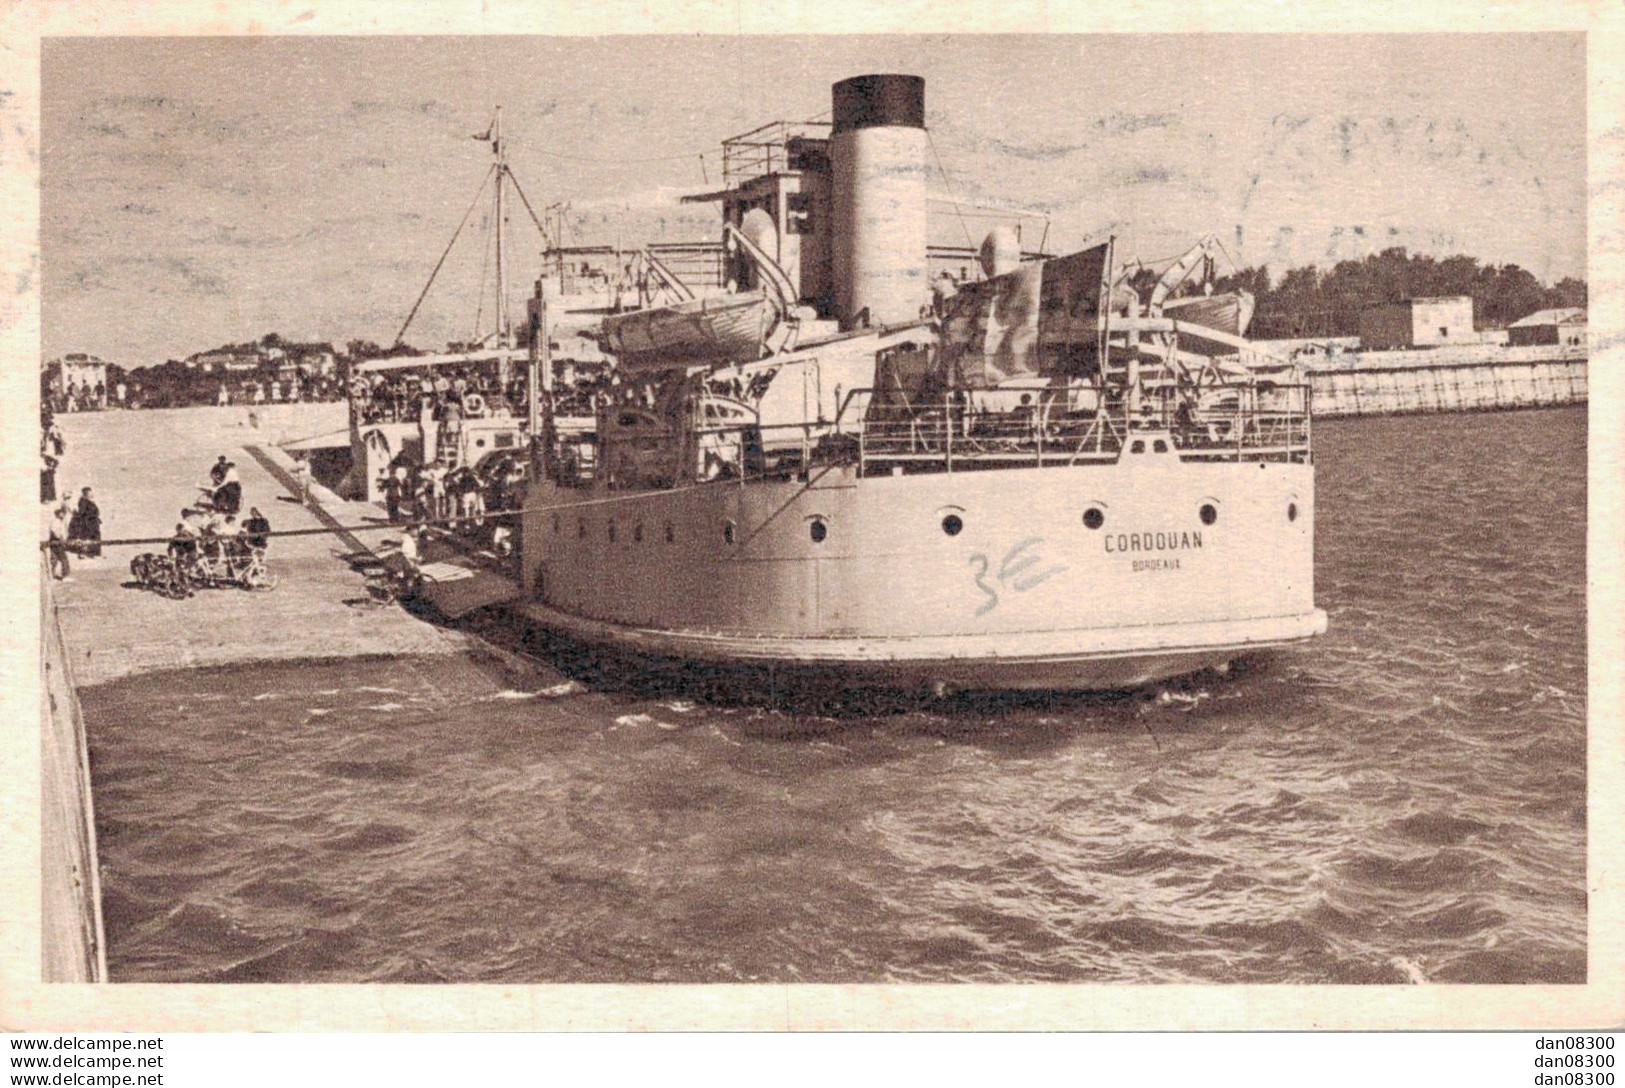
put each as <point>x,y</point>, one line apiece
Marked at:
<point>1042,320</point>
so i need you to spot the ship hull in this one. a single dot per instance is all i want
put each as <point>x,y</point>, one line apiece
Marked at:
<point>1098,660</point>
<point>1188,566</point>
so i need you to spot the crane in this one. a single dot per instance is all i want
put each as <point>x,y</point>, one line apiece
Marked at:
<point>1204,256</point>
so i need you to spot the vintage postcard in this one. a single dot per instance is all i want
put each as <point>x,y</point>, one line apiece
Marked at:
<point>861,521</point>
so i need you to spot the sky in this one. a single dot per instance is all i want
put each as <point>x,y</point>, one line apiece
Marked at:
<point>201,191</point>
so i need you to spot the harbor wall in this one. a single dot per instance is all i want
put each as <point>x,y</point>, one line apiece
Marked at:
<point>72,946</point>
<point>1447,380</point>
<point>1480,387</point>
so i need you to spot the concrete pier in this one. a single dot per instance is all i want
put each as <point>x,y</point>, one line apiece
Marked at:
<point>144,467</point>
<point>1467,379</point>
<point>72,945</point>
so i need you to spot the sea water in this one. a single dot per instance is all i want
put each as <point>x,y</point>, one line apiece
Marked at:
<point>1403,800</point>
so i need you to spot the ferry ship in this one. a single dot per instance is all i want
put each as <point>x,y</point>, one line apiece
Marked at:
<point>1014,477</point>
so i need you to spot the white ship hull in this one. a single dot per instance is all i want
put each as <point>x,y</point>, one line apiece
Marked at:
<point>1025,595</point>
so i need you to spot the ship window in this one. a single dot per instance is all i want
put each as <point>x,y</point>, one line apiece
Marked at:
<point>818,531</point>
<point>1138,447</point>
<point>503,441</point>
<point>1159,446</point>
<point>1093,518</point>
<point>952,524</point>
<point>1292,511</point>
<point>637,533</point>
<point>480,443</point>
<point>1208,513</point>
<point>671,533</point>
<point>727,532</point>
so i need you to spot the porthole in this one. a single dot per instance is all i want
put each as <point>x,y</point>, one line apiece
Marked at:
<point>1209,513</point>
<point>727,532</point>
<point>1093,518</point>
<point>818,531</point>
<point>952,524</point>
<point>1138,446</point>
<point>1159,446</point>
<point>637,533</point>
<point>1292,511</point>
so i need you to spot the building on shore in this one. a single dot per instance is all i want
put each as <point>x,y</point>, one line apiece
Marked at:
<point>1417,323</point>
<point>227,360</point>
<point>75,370</point>
<point>1565,326</point>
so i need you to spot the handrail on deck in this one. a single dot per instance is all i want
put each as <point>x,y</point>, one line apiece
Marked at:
<point>765,149</point>
<point>956,433</point>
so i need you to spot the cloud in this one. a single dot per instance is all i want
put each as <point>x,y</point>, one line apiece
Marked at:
<point>157,116</point>
<point>1149,174</point>
<point>85,279</point>
<point>182,271</point>
<point>1135,122</point>
<point>373,107</point>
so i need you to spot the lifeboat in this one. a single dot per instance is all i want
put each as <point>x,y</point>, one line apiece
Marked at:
<point>702,330</point>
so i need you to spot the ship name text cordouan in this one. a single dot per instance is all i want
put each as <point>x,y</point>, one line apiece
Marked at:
<point>1152,542</point>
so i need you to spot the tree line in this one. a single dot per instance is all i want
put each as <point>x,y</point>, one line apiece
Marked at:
<point>1314,302</point>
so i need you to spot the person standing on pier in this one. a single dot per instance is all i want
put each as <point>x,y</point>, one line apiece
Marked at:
<point>228,497</point>
<point>394,491</point>
<point>57,542</point>
<point>257,530</point>
<point>47,477</point>
<point>86,526</point>
<point>434,478</point>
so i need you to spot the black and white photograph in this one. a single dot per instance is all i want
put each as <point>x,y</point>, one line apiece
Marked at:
<point>817,508</point>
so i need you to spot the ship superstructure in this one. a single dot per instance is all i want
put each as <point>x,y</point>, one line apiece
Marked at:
<point>845,459</point>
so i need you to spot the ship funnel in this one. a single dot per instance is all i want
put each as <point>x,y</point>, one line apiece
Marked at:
<point>877,161</point>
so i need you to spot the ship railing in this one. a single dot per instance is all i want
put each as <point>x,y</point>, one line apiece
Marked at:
<point>952,434</point>
<point>766,149</point>
<point>609,270</point>
<point>1252,421</point>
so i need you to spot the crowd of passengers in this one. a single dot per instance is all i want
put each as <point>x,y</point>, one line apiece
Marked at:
<point>477,501</point>
<point>444,396</point>
<point>448,395</point>
<point>119,393</point>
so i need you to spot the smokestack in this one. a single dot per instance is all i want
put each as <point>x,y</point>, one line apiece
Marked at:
<point>877,163</point>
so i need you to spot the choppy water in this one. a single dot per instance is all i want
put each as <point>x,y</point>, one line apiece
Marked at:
<point>1403,801</point>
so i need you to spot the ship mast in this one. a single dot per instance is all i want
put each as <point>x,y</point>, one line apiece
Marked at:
<point>500,176</point>
<point>503,329</point>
